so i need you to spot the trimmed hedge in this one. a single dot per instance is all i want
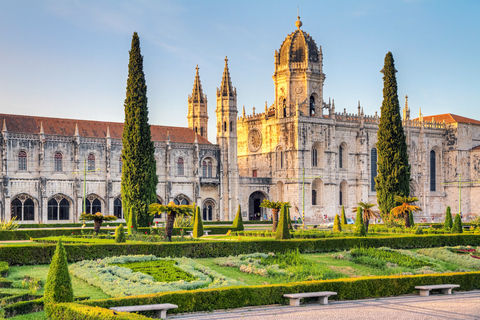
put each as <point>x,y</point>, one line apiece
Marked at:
<point>23,307</point>
<point>114,224</point>
<point>3,268</point>
<point>41,254</point>
<point>237,297</point>
<point>67,311</point>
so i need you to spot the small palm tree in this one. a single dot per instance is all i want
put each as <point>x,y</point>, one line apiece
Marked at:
<point>405,208</point>
<point>368,212</point>
<point>97,218</point>
<point>172,211</point>
<point>275,206</point>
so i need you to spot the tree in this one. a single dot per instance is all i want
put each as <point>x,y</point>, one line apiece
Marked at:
<point>238,222</point>
<point>139,177</point>
<point>172,211</point>
<point>411,219</point>
<point>367,213</point>
<point>393,170</point>
<point>359,225</point>
<point>282,230</point>
<point>198,224</point>
<point>337,227</point>
<point>457,224</point>
<point>404,209</point>
<point>448,219</point>
<point>58,287</point>
<point>120,234</point>
<point>97,218</point>
<point>344,217</point>
<point>275,206</point>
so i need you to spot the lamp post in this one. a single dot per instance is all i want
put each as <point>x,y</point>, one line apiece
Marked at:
<point>459,182</point>
<point>303,193</point>
<point>85,171</point>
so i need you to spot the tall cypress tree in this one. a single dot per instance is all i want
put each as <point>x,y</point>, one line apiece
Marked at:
<point>139,177</point>
<point>393,173</point>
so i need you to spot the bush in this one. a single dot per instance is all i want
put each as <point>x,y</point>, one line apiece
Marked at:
<point>198,225</point>
<point>457,224</point>
<point>448,219</point>
<point>58,287</point>
<point>411,220</point>
<point>238,222</point>
<point>72,311</point>
<point>337,227</point>
<point>344,217</point>
<point>120,234</point>
<point>359,225</point>
<point>3,268</point>
<point>23,307</point>
<point>282,232</point>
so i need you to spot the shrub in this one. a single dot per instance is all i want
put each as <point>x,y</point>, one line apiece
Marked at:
<point>282,230</point>
<point>337,227</point>
<point>448,219</point>
<point>344,217</point>
<point>410,218</point>
<point>3,268</point>
<point>198,224</point>
<point>71,311</point>
<point>359,225</point>
<point>120,234</point>
<point>238,222</point>
<point>11,224</point>
<point>58,287</point>
<point>446,254</point>
<point>457,224</point>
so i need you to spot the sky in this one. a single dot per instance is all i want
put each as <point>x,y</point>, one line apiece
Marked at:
<point>69,59</point>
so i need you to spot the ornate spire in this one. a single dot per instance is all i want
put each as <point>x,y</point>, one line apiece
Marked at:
<point>244,115</point>
<point>76,130</point>
<point>4,125</point>
<point>406,111</point>
<point>108,132</point>
<point>41,128</point>
<point>197,92</point>
<point>226,89</point>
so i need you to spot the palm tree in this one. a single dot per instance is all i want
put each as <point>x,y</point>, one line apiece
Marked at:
<point>275,206</point>
<point>405,208</point>
<point>97,218</point>
<point>172,211</point>
<point>368,212</point>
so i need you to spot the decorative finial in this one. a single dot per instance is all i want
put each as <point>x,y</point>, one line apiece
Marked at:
<point>298,24</point>
<point>168,135</point>
<point>226,59</point>
<point>76,130</point>
<point>197,68</point>
<point>266,107</point>
<point>253,110</point>
<point>4,125</point>
<point>41,128</point>
<point>244,111</point>
<point>406,101</point>
<point>108,132</point>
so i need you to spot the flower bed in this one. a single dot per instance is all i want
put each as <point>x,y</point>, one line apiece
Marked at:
<point>448,254</point>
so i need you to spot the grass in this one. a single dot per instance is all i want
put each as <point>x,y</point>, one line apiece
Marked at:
<point>31,316</point>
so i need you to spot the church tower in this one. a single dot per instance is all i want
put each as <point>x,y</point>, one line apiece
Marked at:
<point>227,140</point>
<point>298,76</point>
<point>197,108</point>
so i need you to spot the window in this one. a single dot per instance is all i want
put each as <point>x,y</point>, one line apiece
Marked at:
<point>314,197</point>
<point>180,167</point>
<point>64,209</point>
<point>58,162</point>
<point>312,106</point>
<point>22,160</point>
<point>340,156</point>
<point>181,200</point>
<point>373,168</point>
<point>284,107</point>
<point>254,173</point>
<point>343,193</point>
<point>201,131</point>
<point>207,168</point>
<point>314,157</point>
<point>433,172</point>
<point>58,209</point>
<point>120,164</point>
<point>225,126</point>
<point>117,208</point>
<point>208,207</point>
<point>231,126</point>
<point>91,161</point>
<point>280,159</point>
<point>22,209</point>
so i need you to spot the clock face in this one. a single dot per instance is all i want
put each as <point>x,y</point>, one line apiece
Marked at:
<point>254,140</point>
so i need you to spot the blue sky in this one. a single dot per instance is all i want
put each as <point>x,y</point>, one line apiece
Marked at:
<point>68,59</point>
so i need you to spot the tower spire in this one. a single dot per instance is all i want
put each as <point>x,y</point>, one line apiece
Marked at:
<point>226,89</point>
<point>197,92</point>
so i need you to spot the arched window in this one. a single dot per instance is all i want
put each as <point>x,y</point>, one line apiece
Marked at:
<point>22,160</point>
<point>284,107</point>
<point>117,208</point>
<point>207,168</point>
<point>314,157</point>
<point>120,164</point>
<point>181,200</point>
<point>23,209</point>
<point>180,167</point>
<point>231,126</point>
<point>312,105</point>
<point>201,131</point>
<point>373,168</point>
<point>52,209</point>
<point>433,172</point>
<point>314,197</point>
<point>64,208</point>
<point>340,156</point>
<point>225,126</point>
<point>58,208</point>
<point>93,205</point>
<point>280,158</point>
<point>58,162</point>
<point>343,193</point>
<point>208,208</point>
<point>91,161</point>
<point>317,190</point>
<point>196,129</point>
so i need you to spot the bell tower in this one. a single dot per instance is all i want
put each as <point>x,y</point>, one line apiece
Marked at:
<point>197,108</point>
<point>298,76</point>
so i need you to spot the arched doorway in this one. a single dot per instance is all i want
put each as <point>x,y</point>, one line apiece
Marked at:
<point>255,212</point>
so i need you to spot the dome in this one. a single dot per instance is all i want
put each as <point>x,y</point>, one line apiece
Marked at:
<point>298,47</point>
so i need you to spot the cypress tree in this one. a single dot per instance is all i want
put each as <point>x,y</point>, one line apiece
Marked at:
<point>337,227</point>
<point>198,225</point>
<point>238,222</point>
<point>411,220</point>
<point>344,217</point>
<point>139,177</point>
<point>448,219</point>
<point>359,225</point>
<point>120,234</point>
<point>282,230</point>
<point>58,287</point>
<point>457,224</point>
<point>393,170</point>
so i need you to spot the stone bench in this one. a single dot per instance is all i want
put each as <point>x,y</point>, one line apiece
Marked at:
<point>322,297</point>
<point>160,309</point>
<point>446,289</point>
<point>205,232</point>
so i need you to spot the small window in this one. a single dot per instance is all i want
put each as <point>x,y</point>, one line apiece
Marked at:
<point>225,126</point>
<point>58,162</point>
<point>312,106</point>
<point>254,173</point>
<point>180,167</point>
<point>91,161</point>
<point>201,131</point>
<point>340,156</point>
<point>433,171</point>
<point>22,160</point>
<point>314,157</point>
<point>117,208</point>
<point>314,197</point>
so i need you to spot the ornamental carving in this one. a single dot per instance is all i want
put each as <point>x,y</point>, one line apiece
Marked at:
<point>254,140</point>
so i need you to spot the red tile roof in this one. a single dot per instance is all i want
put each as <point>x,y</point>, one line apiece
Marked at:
<point>477,148</point>
<point>91,129</point>
<point>450,118</point>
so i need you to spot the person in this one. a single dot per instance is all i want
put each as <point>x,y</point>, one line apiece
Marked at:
<point>295,220</point>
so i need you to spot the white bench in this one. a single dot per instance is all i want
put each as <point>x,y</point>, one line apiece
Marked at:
<point>190,233</point>
<point>322,297</point>
<point>206,232</point>
<point>160,309</point>
<point>446,289</point>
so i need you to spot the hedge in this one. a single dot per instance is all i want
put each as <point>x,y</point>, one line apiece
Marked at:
<point>29,306</point>
<point>67,311</point>
<point>41,254</point>
<point>347,289</point>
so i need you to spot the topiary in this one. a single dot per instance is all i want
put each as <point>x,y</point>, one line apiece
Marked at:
<point>448,224</point>
<point>282,230</point>
<point>120,234</point>
<point>344,217</point>
<point>457,224</point>
<point>337,227</point>
<point>359,225</point>
<point>198,225</point>
<point>58,287</point>
<point>238,222</point>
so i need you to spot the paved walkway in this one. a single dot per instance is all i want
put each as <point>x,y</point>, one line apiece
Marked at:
<point>462,305</point>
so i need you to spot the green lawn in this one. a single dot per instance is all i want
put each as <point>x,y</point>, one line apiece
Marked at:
<point>31,316</point>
